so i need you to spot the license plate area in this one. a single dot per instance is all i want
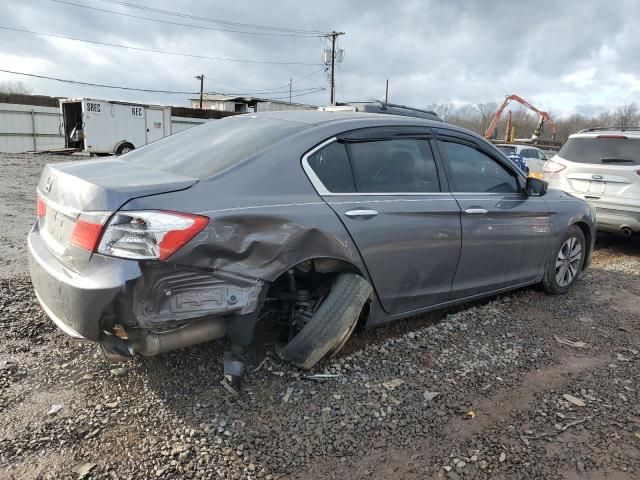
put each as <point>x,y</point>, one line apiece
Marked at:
<point>596,186</point>
<point>57,228</point>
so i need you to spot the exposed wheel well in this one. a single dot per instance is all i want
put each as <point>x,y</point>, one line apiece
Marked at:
<point>586,231</point>
<point>309,277</point>
<point>315,268</point>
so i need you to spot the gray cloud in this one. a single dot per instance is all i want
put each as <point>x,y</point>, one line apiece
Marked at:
<point>566,57</point>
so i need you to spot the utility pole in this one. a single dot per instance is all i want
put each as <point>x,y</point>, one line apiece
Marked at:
<point>334,36</point>
<point>386,92</point>
<point>201,78</point>
<point>290,87</point>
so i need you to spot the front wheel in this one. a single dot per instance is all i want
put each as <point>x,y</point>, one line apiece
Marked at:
<point>565,263</point>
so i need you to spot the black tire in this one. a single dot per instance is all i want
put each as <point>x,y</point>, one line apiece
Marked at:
<point>124,148</point>
<point>331,325</point>
<point>553,281</point>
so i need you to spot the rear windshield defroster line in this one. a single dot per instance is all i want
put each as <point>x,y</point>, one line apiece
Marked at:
<point>208,149</point>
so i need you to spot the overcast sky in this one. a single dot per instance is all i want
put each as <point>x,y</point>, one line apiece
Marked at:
<point>563,56</point>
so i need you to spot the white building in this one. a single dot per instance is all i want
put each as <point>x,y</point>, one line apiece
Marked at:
<point>239,104</point>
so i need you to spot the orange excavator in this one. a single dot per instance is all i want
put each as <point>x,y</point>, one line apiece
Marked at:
<point>544,119</point>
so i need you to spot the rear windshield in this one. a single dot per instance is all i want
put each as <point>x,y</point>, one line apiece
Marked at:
<point>208,149</point>
<point>507,149</point>
<point>602,150</point>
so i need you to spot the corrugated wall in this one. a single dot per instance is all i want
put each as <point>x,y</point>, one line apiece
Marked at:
<point>266,106</point>
<point>26,128</point>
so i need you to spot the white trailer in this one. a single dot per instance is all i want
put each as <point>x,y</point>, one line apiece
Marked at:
<point>105,127</point>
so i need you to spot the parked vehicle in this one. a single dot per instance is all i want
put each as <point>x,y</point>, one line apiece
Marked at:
<point>602,165</point>
<point>315,219</point>
<point>104,127</point>
<point>519,162</point>
<point>381,107</point>
<point>533,157</point>
<point>100,126</point>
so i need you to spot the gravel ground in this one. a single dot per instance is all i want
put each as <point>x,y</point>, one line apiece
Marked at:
<point>481,391</point>
<point>19,175</point>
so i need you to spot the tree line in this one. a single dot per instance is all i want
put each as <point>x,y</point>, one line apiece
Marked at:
<point>477,117</point>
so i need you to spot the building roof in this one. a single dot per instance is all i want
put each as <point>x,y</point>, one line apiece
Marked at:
<point>219,97</point>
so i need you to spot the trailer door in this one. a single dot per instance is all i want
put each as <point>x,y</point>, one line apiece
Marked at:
<point>155,125</point>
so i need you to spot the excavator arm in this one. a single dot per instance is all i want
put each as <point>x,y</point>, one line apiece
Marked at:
<point>544,118</point>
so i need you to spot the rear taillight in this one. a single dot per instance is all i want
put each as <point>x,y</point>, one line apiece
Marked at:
<point>638,172</point>
<point>149,234</point>
<point>41,207</point>
<point>87,230</point>
<point>553,167</point>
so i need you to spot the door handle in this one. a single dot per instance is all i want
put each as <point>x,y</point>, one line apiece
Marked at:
<point>476,211</point>
<point>362,214</point>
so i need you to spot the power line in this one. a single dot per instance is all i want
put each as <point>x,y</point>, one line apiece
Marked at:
<point>214,20</point>
<point>298,95</point>
<point>266,90</point>
<point>190,25</point>
<point>146,90</point>
<point>209,79</point>
<point>88,84</point>
<point>248,93</point>
<point>307,76</point>
<point>150,50</point>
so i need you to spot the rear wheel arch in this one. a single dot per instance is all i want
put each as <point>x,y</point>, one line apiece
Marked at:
<point>586,231</point>
<point>324,264</point>
<point>328,298</point>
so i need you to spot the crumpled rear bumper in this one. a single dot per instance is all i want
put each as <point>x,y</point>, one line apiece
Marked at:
<point>137,296</point>
<point>75,301</point>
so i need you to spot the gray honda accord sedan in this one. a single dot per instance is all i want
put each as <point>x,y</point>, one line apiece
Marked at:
<point>318,221</point>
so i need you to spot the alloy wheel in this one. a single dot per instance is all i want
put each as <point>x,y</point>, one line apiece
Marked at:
<point>568,261</point>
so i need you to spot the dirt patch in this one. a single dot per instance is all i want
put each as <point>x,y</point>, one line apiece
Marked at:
<point>491,410</point>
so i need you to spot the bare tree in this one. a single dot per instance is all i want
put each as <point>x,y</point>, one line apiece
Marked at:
<point>605,119</point>
<point>15,87</point>
<point>626,115</point>
<point>487,110</point>
<point>444,109</point>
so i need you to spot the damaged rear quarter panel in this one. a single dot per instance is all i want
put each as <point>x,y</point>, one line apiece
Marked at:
<point>265,215</point>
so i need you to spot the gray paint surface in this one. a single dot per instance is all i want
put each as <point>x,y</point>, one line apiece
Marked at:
<point>419,252</point>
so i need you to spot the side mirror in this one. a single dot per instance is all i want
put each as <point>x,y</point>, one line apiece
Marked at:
<point>536,187</point>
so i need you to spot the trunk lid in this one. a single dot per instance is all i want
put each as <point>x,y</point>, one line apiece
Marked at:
<point>71,188</point>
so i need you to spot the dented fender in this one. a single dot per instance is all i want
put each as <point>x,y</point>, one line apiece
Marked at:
<point>262,242</point>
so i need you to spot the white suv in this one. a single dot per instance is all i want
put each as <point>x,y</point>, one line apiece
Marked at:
<point>534,157</point>
<point>603,167</point>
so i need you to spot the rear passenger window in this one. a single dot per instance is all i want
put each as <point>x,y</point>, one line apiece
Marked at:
<point>331,165</point>
<point>394,166</point>
<point>470,170</point>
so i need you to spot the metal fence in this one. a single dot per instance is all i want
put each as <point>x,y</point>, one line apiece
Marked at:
<point>25,128</point>
<point>31,123</point>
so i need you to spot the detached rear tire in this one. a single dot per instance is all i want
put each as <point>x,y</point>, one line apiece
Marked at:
<point>331,325</point>
<point>565,262</point>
